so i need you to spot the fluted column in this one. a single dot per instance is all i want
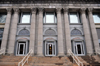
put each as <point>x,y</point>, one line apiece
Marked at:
<point>6,29</point>
<point>13,30</point>
<point>32,30</point>
<point>40,33</point>
<point>86,31</point>
<point>93,29</point>
<point>67,30</point>
<point>60,33</point>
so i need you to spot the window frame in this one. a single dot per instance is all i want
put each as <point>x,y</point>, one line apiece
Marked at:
<point>77,14</point>
<point>22,15</point>
<point>52,13</point>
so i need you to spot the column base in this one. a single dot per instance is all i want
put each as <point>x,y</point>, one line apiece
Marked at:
<point>61,54</point>
<point>40,55</point>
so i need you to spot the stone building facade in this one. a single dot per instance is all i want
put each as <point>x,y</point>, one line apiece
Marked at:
<point>49,29</point>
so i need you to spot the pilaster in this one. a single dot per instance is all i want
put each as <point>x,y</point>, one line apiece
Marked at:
<point>6,29</point>
<point>60,33</point>
<point>86,31</point>
<point>40,33</point>
<point>67,30</point>
<point>13,30</point>
<point>93,29</point>
<point>32,29</point>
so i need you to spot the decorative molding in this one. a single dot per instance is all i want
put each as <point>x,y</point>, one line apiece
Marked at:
<point>58,10</point>
<point>9,10</point>
<point>90,10</point>
<point>33,10</point>
<point>16,10</point>
<point>40,10</point>
<point>82,10</point>
<point>66,10</point>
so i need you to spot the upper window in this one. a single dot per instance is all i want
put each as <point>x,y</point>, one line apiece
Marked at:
<point>96,18</point>
<point>50,18</point>
<point>3,18</point>
<point>25,18</point>
<point>74,18</point>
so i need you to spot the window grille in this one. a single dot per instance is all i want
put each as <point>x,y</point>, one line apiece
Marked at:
<point>24,32</point>
<point>76,32</point>
<point>50,32</point>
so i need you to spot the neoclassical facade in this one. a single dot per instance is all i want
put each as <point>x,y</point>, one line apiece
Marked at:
<point>49,29</point>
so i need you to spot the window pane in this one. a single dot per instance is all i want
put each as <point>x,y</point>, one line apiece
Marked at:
<point>26,18</point>
<point>49,18</point>
<point>2,18</point>
<point>96,18</point>
<point>73,18</point>
<point>1,32</point>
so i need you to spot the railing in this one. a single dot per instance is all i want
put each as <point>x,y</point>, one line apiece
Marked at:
<point>2,51</point>
<point>75,58</point>
<point>25,59</point>
<point>97,51</point>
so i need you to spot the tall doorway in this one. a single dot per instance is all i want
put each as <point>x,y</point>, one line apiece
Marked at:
<point>22,48</point>
<point>50,48</point>
<point>79,49</point>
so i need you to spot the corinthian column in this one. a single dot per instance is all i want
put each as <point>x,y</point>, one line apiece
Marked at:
<point>32,29</point>
<point>13,30</point>
<point>93,29</point>
<point>67,30</point>
<point>60,34</point>
<point>40,33</point>
<point>86,31</point>
<point>6,29</point>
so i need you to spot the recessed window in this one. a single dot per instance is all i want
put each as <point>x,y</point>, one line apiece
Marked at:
<point>74,18</point>
<point>25,18</point>
<point>98,32</point>
<point>3,18</point>
<point>96,18</point>
<point>50,18</point>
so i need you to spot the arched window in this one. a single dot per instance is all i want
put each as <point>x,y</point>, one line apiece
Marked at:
<point>24,32</point>
<point>76,32</point>
<point>50,32</point>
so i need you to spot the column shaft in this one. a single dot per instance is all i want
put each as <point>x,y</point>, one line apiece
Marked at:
<point>93,30</point>
<point>67,30</point>
<point>86,32</point>
<point>6,29</point>
<point>32,30</point>
<point>60,33</point>
<point>40,34</point>
<point>13,30</point>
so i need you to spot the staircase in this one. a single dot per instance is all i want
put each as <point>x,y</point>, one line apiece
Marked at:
<point>49,61</point>
<point>90,60</point>
<point>36,61</point>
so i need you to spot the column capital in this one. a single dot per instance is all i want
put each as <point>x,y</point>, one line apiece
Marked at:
<point>90,10</point>
<point>82,10</point>
<point>40,10</point>
<point>16,10</point>
<point>9,10</point>
<point>33,10</point>
<point>58,10</point>
<point>66,9</point>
